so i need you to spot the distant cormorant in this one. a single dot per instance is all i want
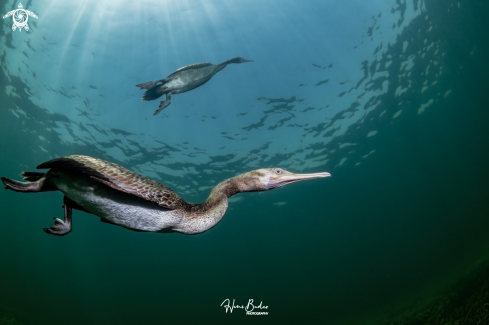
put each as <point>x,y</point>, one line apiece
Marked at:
<point>124,198</point>
<point>182,80</point>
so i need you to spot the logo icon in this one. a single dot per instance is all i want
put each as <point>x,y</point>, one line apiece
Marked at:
<point>20,17</point>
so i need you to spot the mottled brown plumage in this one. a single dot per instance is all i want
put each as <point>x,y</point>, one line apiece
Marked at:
<point>122,197</point>
<point>119,178</point>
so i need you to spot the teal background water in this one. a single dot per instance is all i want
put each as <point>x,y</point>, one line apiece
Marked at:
<point>400,123</point>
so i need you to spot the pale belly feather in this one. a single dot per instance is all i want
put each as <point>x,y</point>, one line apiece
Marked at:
<point>118,207</point>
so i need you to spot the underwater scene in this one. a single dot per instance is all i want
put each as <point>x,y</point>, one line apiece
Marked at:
<point>242,162</point>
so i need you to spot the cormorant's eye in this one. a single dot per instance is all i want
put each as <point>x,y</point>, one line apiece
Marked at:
<point>278,171</point>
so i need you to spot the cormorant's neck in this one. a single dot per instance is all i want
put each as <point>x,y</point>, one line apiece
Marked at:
<point>223,191</point>
<point>201,217</point>
<point>224,64</point>
<point>221,66</point>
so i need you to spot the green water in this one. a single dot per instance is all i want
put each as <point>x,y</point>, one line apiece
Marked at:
<point>374,240</point>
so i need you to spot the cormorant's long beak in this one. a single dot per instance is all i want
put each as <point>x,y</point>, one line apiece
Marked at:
<point>281,180</point>
<point>248,60</point>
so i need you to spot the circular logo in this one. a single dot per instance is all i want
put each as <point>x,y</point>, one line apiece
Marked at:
<point>20,17</point>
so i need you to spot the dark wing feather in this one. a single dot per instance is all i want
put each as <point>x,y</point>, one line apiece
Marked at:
<point>119,178</point>
<point>192,66</point>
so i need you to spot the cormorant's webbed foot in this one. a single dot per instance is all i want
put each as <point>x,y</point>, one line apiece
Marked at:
<point>16,186</point>
<point>60,227</point>
<point>164,104</point>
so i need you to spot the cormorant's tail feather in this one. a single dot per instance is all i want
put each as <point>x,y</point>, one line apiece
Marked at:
<point>32,176</point>
<point>152,94</point>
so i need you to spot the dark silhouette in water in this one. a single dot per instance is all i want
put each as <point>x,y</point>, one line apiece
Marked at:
<point>182,80</point>
<point>122,197</point>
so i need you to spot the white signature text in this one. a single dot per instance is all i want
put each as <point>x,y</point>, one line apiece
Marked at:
<point>250,308</point>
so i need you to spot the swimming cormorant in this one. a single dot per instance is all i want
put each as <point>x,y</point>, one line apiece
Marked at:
<point>182,80</point>
<point>124,198</point>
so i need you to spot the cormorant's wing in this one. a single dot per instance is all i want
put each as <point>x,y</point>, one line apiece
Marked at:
<point>193,66</point>
<point>8,14</point>
<point>119,178</point>
<point>30,13</point>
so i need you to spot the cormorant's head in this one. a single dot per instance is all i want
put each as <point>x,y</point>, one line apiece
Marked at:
<point>262,180</point>
<point>238,60</point>
<point>270,178</point>
<point>278,177</point>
